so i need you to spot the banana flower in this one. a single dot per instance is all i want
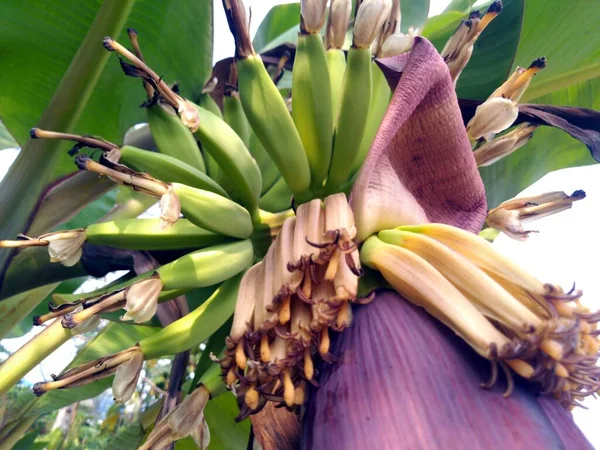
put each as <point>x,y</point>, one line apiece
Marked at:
<point>415,208</point>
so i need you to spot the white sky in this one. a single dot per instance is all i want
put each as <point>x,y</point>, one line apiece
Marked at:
<point>564,251</point>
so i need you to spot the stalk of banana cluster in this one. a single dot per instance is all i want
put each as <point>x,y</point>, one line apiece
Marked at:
<point>288,302</point>
<point>539,331</point>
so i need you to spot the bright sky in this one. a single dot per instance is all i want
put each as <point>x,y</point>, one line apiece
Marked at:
<point>563,252</point>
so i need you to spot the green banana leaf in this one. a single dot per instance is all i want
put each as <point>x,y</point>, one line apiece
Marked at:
<point>92,212</point>
<point>460,5</point>
<point>225,433</point>
<point>549,149</point>
<point>414,14</point>
<point>494,51</point>
<point>562,33</point>
<point>33,168</point>
<point>278,21</point>
<point>6,139</point>
<point>32,268</point>
<point>17,312</point>
<point>93,97</point>
<point>28,442</point>
<point>40,55</point>
<point>571,79</point>
<point>128,437</point>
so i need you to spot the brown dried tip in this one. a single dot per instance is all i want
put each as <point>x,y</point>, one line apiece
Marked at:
<point>107,42</point>
<point>539,63</point>
<point>239,27</point>
<point>459,48</point>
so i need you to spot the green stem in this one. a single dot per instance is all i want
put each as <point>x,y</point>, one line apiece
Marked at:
<point>31,354</point>
<point>33,168</point>
<point>213,381</point>
<point>17,307</point>
<point>215,344</point>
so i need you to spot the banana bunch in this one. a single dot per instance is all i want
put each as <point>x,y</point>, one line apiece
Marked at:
<point>225,180</point>
<point>337,101</point>
<point>233,174</point>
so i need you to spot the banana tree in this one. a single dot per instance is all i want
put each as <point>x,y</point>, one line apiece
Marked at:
<point>319,204</point>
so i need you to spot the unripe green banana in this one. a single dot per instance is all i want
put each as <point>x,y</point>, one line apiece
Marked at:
<point>271,121</point>
<point>232,156</point>
<point>172,137</point>
<point>336,62</point>
<point>233,114</point>
<point>195,327</point>
<point>123,282</point>
<point>147,234</point>
<point>268,170</point>
<point>213,212</point>
<point>380,100</point>
<point>212,168</point>
<point>169,169</point>
<point>311,105</point>
<point>207,102</point>
<point>208,266</point>
<point>354,111</point>
<point>278,198</point>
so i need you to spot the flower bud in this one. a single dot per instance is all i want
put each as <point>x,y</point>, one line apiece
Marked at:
<point>126,377</point>
<point>508,222</point>
<point>142,299</point>
<point>370,18</point>
<point>398,43</point>
<point>498,148</point>
<point>337,24</point>
<point>491,117</point>
<point>170,208</point>
<point>65,247</point>
<point>510,216</point>
<point>313,15</point>
<point>396,355</point>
